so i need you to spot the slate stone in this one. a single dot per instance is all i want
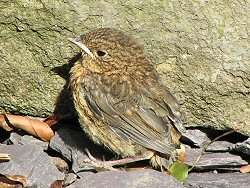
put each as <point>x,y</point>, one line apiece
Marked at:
<point>71,144</point>
<point>212,160</point>
<point>84,174</point>
<point>220,146</point>
<point>61,164</point>
<point>32,162</point>
<point>221,180</point>
<point>196,137</point>
<point>132,179</point>
<point>243,147</point>
<point>70,178</point>
<point>15,138</point>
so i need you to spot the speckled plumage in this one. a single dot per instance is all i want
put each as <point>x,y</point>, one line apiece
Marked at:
<point>119,99</point>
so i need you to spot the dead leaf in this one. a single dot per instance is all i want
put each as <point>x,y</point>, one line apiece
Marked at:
<point>33,126</point>
<point>181,153</point>
<point>53,119</point>
<point>13,181</point>
<point>245,169</point>
<point>182,156</point>
<point>57,184</point>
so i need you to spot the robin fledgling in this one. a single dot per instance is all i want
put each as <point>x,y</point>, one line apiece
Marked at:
<point>120,101</point>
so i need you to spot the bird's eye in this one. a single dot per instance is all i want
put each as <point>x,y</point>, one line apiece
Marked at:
<point>101,53</point>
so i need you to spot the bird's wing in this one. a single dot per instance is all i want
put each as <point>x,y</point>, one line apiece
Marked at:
<point>143,120</point>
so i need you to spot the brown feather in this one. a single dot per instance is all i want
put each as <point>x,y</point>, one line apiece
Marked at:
<point>120,101</point>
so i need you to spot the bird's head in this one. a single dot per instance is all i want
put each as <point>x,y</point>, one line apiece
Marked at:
<point>109,48</point>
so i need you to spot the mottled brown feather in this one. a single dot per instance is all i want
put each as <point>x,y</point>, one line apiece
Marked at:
<point>120,101</point>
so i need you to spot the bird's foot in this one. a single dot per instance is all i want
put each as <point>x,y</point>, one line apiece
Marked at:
<point>109,164</point>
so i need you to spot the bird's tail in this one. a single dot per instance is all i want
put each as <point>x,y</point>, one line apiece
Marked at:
<point>163,162</point>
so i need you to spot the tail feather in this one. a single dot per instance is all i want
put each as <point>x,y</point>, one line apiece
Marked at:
<point>163,162</point>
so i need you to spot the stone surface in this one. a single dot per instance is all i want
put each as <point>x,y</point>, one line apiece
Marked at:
<point>71,144</point>
<point>70,178</point>
<point>200,49</point>
<point>225,180</point>
<point>217,160</point>
<point>220,146</point>
<point>196,137</point>
<point>61,164</point>
<point>133,179</point>
<point>243,147</point>
<point>32,162</point>
<point>15,138</point>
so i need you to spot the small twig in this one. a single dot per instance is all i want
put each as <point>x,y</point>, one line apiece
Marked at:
<point>206,146</point>
<point>4,156</point>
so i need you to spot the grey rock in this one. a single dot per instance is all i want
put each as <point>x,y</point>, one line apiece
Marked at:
<point>222,160</point>
<point>211,180</point>
<point>132,179</point>
<point>84,174</point>
<point>196,137</point>
<point>15,138</point>
<point>220,146</point>
<point>243,147</point>
<point>61,164</point>
<point>206,66</point>
<point>28,139</point>
<point>32,162</point>
<point>71,144</point>
<point>70,178</point>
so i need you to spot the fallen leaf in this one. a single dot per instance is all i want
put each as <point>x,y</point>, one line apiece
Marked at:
<point>245,169</point>
<point>33,126</point>
<point>181,153</point>
<point>12,181</point>
<point>57,184</point>
<point>53,119</point>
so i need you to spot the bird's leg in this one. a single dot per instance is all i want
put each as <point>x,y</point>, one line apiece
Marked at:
<point>109,164</point>
<point>91,157</point>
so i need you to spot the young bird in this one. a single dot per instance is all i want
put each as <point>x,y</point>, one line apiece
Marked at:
<point>120,101</point>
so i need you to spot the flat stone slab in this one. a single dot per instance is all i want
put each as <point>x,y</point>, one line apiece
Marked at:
<point>223,180</point>
<point>31,162</point>
<point>71,144</point>
<point>220,146</point>
<point>196,137</point>
<point>15,138</point>
<point>132,179</point>
<point>213,160</point>
<point>243,147</point>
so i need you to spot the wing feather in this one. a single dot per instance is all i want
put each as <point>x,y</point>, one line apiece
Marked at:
<point>144,122</point>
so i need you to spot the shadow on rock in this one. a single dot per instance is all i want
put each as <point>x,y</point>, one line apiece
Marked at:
<point>70,140</point>
<point>64,104</point>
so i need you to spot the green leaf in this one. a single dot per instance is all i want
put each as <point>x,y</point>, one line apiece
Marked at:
<point>179,171</point>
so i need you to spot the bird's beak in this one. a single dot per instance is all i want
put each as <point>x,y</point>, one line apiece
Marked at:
<point>78,42</point>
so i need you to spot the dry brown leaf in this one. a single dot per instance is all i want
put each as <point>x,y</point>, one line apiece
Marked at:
<point>13,181</point>
<point>17,178</point>
<point>182,156</point>
<point>33,126</point>
<point>245,169</point>
<point>181,153</point>
<point>57,184</point>
<point>53,119</point>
